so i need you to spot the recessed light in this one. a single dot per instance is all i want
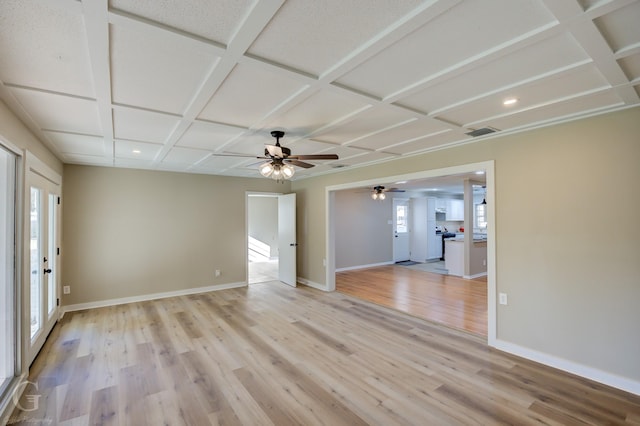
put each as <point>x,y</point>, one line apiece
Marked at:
<point>480,172</point>
<point>401,182</point>
<point>136,151</point>
<point>510,101</point>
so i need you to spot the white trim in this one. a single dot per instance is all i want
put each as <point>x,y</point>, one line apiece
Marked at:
<point>312,284</point>
<point>590,373</point>
<point>470,277</point>
<point>371,265</point>
<point>152,296</point>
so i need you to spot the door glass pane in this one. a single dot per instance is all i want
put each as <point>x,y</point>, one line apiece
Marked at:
<point>34,260</point>
<point>51,255</point>
<point>7,276</point>
<point>401,218</point>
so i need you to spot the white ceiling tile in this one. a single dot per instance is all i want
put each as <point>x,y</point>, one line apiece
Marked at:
<point>318,110</point>
<point>549,90</point>
<point>309,146</point>
<point>249,144</point>
<point>214,163</point>
<point>466,30</point>
<point>621,28</point>
<point>134,150</point>
<point>129,163</point>
<point>150,74</point>
<point>189,156</point>
<point>427,143</point>
<point>369,157</point>
<point>45,47</point>
<point>366,122</point>
<point>312,36</point>
<point>631,66</point>
<point>558,111</point>
<point>89,160</point>
<point>396,135</point>
<point>140,125</point>
<point>77,144</point>
<point>197,17</point>
<point>248,95</point>
<point>57,112</point>
<point>544,57</point>
<point>209,136</point>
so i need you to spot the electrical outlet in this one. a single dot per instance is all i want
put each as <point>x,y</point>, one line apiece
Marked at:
<point>217,272</point>
<point>484,262</point>
<point>324,262</point>
<point>66,289</point>
<point>502,298</point>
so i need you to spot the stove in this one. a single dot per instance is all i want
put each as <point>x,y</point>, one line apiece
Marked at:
<point>446,235</point>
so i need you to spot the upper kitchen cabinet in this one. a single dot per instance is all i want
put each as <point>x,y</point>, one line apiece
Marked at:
<point>455,209</point>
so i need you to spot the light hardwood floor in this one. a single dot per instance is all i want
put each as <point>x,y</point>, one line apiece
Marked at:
<point>449,300</point>
<point>269,354</point>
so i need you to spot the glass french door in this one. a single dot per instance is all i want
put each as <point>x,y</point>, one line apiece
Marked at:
<point>8,287</point>
<point>43,250</point>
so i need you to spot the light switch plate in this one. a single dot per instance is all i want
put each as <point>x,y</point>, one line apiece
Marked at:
<point>502,298</point>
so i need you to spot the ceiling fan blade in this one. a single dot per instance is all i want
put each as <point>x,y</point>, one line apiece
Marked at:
<point>273,150</point>
<point>222,154</point>
<point>299,163</point>
<point>394,190</point>
<point>316,157</point>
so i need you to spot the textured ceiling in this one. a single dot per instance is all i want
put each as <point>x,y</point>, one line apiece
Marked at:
<point>175,85</point>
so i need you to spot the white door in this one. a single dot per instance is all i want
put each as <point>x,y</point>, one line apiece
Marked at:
<point>287,244</point>
<point>401,240</point>
<point>43,260</point>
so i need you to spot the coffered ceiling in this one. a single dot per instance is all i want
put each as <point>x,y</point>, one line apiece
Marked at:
<point>174,85</point>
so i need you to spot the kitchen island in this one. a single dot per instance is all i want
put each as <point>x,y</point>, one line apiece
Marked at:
<point>455,258</point>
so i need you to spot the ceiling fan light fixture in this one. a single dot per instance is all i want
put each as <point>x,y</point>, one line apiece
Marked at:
<point>288,171</point>
<point>266,169</point>
<point>381,196</point>
<point>374,195</point>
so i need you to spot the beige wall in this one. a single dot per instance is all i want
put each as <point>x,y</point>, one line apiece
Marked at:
<point>131,232</point>
<point>363,235</point>
<point>263,221</point>
<point>572,276</point>
<point>14,132</point>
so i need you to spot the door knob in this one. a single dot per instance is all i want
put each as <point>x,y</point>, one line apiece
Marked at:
<point>47,271</point>
<point>294,244</point>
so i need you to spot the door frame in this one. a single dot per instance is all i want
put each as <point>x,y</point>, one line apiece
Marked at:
<point>246,233</point>
<point>35,166</point>
<point>487,166</point>
<point>395,201</point>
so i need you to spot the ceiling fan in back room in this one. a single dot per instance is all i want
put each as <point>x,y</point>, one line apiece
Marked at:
<point>280,162</point>
<point>378,192</point>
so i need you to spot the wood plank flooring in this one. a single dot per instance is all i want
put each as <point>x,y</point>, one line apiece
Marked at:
<point>449,300</point>
<point>269,354</point>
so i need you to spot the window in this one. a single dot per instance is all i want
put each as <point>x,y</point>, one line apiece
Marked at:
<point>481,216</point>
<point>401,218</point>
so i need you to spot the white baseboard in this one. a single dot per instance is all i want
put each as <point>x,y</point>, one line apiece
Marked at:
<point>371,265</point>
<point>146,297</point>
<point>590,373</point>
<point>470,277</point>
<point>312,284</point>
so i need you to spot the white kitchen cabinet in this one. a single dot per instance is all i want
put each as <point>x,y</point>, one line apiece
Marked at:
<point>455,209</point>
<point>454,257</point>
<point>441,205</point>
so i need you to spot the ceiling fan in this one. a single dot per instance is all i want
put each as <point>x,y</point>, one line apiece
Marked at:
<point>378,191</point>
<point>280,162</point>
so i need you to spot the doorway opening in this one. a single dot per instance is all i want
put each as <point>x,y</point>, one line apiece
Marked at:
<point>271,238</point>
<point>467,170</point>
<point>262,247</point>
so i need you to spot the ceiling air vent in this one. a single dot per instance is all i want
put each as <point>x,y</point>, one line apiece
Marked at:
<point>338,166</point>
<point>481,132</point>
